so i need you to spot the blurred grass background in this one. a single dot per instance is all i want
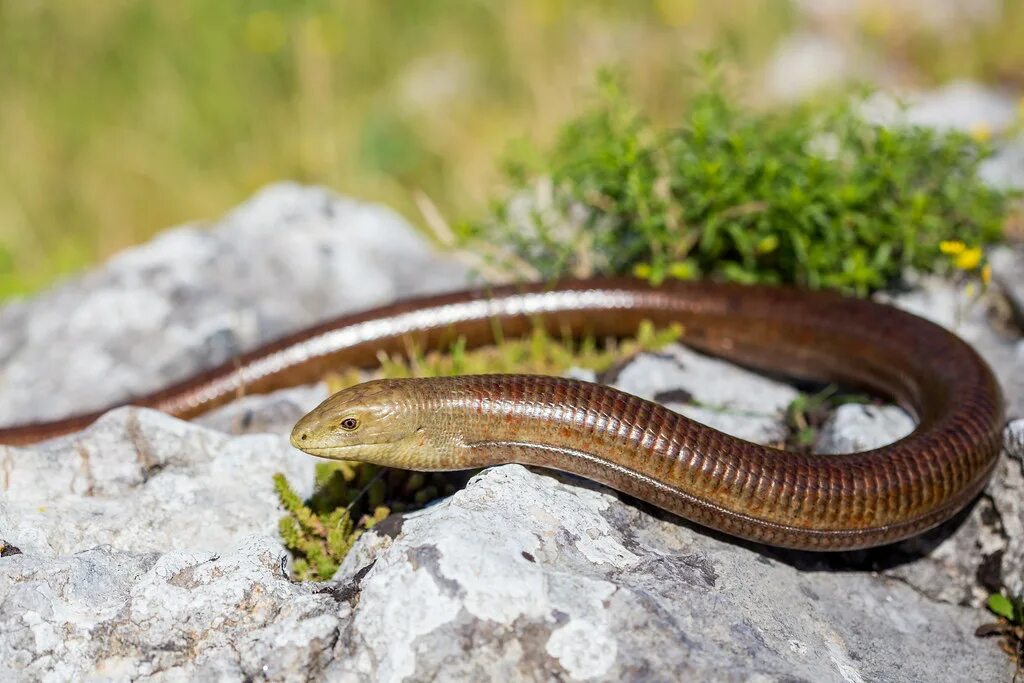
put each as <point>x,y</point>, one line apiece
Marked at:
<point>121,118</point>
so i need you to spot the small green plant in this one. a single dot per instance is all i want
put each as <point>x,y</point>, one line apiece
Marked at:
<point>540,353</point>
<point>807,413</point>
<point>320,531</point>
<point>319,541</point>
<point>810,195</point>
<point>1010,626</point>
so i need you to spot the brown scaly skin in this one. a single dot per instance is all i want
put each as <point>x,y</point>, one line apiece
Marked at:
<point>786,499</point>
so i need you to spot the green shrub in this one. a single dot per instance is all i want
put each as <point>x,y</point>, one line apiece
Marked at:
<point>809,195</point>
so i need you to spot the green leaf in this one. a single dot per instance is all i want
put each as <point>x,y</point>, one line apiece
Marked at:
<point>1002,606</point>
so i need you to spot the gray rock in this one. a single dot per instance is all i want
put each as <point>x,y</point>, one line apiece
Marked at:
<point>711,391</point>
<point>147,545</point>
<point>1007,499</point>
<point>1008,274</point>
<point>976,554</point>
<point>854,427</point>
<point>141,480</point>
<point>545,578</point>
<point>964,561</point>
<point>565,582</point>
<point>193,298</point>
<point>1005,168</point>
<point>274,413</point>
<point>106,614</point>
<point>806,62</point>
<point>961,105</point>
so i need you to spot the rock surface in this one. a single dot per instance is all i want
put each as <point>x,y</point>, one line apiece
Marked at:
<point>193,298</point>
<point>106,614</point>
<point>591,588</point>
<point>1005,168</point>
<point>145,548</point>
<point>141,480</point>
<point>961,105</point>
<point>854,427</point>
<point>1008,272</point>
<point>806,62</point>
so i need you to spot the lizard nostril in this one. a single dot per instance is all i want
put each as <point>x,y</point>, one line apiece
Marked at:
<point>303,437</point>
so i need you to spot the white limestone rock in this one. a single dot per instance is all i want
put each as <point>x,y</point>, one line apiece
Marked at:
<point>144,547</point>
<point>193,298</point>
<point>524,576</point>
<point>106,614</point>
<point>854,427</point>
<point>960,105</point>
<point>140,480</point>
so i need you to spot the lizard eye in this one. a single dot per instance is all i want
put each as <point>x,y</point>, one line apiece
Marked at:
<point>349,423</point>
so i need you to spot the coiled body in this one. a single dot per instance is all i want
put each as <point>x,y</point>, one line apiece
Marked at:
<point>777,497</point>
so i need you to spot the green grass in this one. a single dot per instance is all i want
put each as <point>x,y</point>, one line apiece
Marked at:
<point>119,119</point>
<point>809,195</point>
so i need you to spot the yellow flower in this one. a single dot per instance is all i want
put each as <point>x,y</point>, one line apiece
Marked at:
<point>969,259</point>
<point>981,132</point>
<point>952,247</point>
<point>642,270</point>
<point>682,270</point>
<point>986,274</point>
<point>768,244</point>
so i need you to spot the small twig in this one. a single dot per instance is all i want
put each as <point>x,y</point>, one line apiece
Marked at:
<point>443,233</point>
<point>744,209</point>
<point>584,256</point>
<point>434,220</point>
<point>362,491</point>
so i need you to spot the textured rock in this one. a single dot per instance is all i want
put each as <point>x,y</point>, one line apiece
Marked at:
<point>853,427</point>
<point>1007,499</point>
<point>964,561</point>
<point>145,547</point>
<point>108,614</point>
<point>1008,274</point>
<point>141,480</point>
<point>193,298</point>
<point>545,579</point>
<point>593,589</point>
<point>275,413</point>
